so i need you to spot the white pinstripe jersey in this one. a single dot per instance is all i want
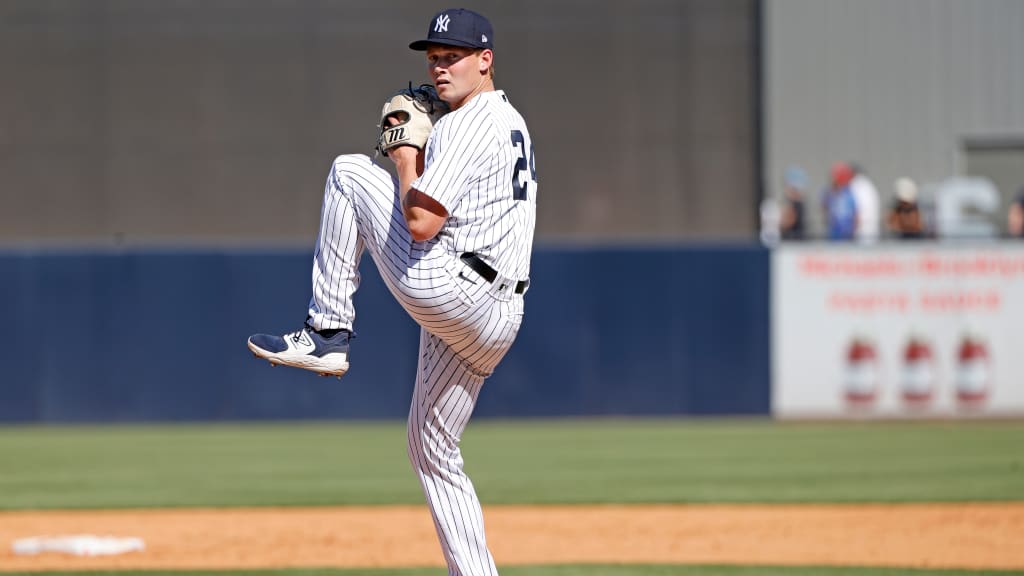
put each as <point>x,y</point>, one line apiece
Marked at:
<point>479,165</point>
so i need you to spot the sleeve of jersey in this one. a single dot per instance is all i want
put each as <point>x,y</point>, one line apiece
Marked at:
<point>453,153</point>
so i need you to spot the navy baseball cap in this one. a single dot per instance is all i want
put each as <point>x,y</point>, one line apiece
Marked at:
<point>458,27</point>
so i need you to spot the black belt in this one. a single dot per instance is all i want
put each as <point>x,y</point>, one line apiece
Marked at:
<point>488,273</point>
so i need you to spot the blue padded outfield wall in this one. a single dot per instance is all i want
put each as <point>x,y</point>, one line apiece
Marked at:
<point>151,335</point>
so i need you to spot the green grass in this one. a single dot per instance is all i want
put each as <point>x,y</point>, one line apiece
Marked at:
<point>561,461</point>
<point>517,462</point>
<point>596,570</point>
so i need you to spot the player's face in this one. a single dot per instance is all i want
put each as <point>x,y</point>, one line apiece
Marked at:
<point>458,73</point>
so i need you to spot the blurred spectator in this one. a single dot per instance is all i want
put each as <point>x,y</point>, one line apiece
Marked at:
<point>840,205</point>
<point>865,194</point>
<point>771,213</point>
<point>904,219</point>
<point>1015,217</point>
<point>792,219</point>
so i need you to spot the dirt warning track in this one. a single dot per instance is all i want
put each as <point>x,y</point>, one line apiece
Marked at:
<point>970,536</point>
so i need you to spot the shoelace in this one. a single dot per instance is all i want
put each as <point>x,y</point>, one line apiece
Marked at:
<point>297,335</point>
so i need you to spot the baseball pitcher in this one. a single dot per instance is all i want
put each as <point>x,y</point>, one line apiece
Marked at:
<point>452,239</point>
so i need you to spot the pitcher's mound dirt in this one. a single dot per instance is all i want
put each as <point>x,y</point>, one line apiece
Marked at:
<point>948,536</point>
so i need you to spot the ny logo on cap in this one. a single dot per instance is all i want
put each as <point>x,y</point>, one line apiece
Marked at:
<point>442,23</point>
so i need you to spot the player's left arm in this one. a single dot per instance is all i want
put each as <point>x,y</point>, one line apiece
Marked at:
<point>424,215</point>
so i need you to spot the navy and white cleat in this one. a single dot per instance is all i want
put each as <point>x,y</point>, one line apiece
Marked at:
<point>306,349</point>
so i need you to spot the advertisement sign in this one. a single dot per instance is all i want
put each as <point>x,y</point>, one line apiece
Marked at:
<point>897,330</point>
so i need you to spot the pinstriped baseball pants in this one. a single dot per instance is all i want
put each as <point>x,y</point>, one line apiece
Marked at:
<point>467,326</point>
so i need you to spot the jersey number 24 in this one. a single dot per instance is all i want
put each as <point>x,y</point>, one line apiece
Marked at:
<point>524,163</point>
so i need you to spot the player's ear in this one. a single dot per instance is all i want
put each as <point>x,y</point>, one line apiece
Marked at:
<point>486,59</point>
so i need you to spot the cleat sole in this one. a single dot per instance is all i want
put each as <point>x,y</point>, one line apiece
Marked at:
<point>329,365</point>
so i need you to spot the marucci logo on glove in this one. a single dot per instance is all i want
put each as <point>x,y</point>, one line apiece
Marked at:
<point>396,135</point>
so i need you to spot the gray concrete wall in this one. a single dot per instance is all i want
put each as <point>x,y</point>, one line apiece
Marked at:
<point>898,85</point>
<point>143,121</point>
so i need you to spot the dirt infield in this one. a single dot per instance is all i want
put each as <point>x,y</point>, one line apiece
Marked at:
<point>914,535</point>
